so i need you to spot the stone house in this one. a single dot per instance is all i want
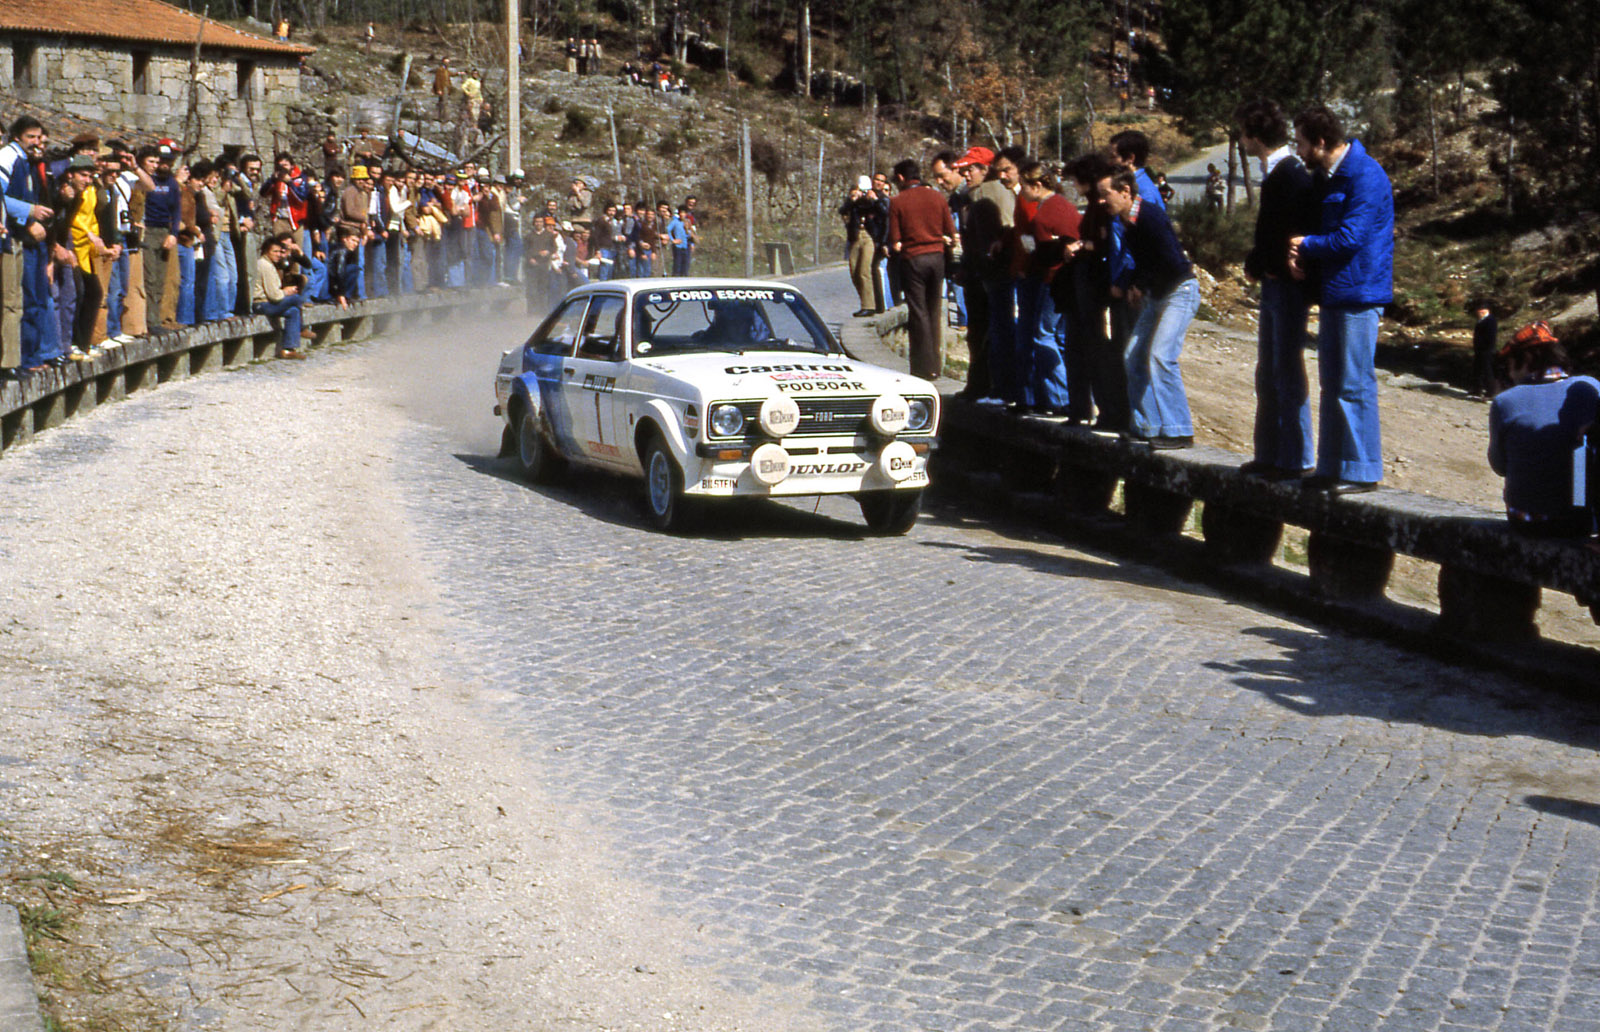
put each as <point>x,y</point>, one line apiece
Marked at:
<point>130,63</point>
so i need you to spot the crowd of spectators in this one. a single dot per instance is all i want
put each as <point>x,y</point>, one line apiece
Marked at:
<point>1079,311</point>
<point>104,242</point>
<point>1072,310</point>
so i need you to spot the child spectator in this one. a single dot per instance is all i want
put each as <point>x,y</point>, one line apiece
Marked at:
<point>1537,434</point>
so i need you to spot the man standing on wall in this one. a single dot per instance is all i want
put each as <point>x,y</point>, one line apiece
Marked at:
<point>1283,443</point>
<point>920,228</point>
<point>1353,259</point>
<point>985,225</point>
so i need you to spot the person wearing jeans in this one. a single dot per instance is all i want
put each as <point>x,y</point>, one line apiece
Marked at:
<point>277,300</point>
<point>1352,256</point>
<point>1162,287</point>
<point>1282,438</point>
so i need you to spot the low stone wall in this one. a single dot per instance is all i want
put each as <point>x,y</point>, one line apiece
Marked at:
<point>46,399</point>
<point>1488,584</point>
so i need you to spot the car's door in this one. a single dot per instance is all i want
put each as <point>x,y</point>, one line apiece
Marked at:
<point>548,356</point>
<point>591,386</point>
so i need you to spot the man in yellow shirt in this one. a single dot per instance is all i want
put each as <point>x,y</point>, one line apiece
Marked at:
<point>86,245</point>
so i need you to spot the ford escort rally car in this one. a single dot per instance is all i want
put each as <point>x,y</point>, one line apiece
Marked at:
<point>712,388</point>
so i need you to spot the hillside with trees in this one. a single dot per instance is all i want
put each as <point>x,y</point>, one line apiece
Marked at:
<point>1486,112</point>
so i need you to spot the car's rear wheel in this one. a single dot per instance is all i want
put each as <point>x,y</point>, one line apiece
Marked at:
<point>537,460</point>
<point>890,513</point>
<point>664,503</point>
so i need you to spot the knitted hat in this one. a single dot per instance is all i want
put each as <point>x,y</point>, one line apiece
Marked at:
<point>1533,335</point>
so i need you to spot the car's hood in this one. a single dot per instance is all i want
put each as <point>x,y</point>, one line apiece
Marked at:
<point>757,374</point>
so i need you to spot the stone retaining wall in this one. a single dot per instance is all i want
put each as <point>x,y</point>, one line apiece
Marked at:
<point>47,399</point>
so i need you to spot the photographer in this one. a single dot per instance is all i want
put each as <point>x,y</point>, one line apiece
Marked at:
<point>857,210</point>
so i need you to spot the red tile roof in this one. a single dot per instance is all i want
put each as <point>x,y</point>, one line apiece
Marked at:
<point>132,21</point>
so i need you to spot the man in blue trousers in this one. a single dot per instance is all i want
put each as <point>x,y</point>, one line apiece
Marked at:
<point>1352,257</point>
<point>22,184</point>
<point>1288,208</point>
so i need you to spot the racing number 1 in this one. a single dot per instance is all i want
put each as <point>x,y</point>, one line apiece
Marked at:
<point>599,424</point>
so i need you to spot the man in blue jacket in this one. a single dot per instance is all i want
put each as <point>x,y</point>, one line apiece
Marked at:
<point>22,183</point>
<point>1353,259</point>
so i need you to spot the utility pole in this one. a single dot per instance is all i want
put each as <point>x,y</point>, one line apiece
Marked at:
<point>749,200</point>
<point>513,87</point>
<point>802,49</point>
<point>816,242</point>
<point>616,152</point>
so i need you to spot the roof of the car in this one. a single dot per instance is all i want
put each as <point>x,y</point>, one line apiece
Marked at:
<point>679,283</point>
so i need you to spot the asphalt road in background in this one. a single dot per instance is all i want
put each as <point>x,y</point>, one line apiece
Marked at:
<point>975,778</point>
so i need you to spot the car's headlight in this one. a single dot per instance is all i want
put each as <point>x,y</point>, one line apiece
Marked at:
<point>921,414</point>
<point>727,421</point>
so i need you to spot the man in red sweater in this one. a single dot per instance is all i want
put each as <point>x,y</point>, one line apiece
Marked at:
<point>919,231</point>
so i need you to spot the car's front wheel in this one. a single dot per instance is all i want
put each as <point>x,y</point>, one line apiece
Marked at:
<point>664,503</point>
<point>535,457</point>
<point>890,512</point>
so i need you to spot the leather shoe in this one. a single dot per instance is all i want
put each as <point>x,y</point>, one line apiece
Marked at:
<point>1277,473</point>
<point>1349,487</point>
<point>1257,468</point>
<point>292,355</point>
<point>1171,443</point>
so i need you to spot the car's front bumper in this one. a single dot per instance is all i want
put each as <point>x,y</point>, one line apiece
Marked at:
<point>816,468</point>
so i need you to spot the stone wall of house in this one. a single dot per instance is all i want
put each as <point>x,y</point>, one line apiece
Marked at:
<point>244,98</point>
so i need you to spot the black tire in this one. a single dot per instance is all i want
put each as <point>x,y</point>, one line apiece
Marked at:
<point>890,513</point>
<point>664,503</point>
<point>535,458</point>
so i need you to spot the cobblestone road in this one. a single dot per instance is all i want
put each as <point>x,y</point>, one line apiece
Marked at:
<point>970,780</point>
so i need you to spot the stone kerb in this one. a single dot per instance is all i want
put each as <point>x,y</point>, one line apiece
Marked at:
<point>47,399</point>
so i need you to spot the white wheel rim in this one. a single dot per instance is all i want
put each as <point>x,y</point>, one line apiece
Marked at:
<point>660,483</point>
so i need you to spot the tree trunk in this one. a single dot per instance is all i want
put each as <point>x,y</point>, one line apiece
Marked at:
<point>1433,133</point>
<point>1511,158</point>
<point>1249,184</point>
<point>1233,147</point>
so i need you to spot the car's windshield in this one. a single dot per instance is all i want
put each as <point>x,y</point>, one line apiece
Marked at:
<point>737,319</point>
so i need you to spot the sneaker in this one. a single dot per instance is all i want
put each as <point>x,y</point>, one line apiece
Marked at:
<point>1171,443</point>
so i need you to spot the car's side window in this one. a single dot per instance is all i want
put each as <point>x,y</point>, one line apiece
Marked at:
<point>561,332</point>
<point>602,330</point>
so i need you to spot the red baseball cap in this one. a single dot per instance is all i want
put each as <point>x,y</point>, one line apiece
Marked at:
<point>975,156</point>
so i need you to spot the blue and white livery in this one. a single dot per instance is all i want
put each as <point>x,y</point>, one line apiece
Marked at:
<point>715,388</point>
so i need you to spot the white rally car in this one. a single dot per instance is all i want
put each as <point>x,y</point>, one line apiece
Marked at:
<point>711,388</point>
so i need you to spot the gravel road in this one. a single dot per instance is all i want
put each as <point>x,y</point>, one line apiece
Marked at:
<point>227,725</point>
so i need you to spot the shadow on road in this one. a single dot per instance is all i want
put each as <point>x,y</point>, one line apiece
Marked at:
<point>1571,809</point>
<point>615,500</point>
<point>1320,675</point>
